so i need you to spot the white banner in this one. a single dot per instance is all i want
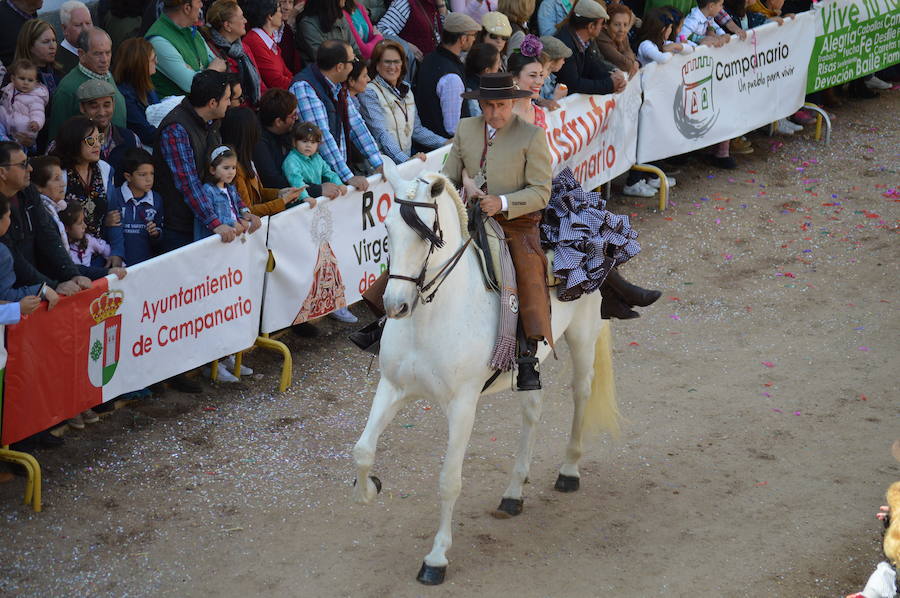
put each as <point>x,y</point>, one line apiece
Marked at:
<point>714,94</point>
<point>326,257</point>
<point>181,310</point>
<point>595,136</point>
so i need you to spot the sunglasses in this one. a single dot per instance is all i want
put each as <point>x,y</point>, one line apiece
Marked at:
<point>92,141</point>
<point>494,36</point>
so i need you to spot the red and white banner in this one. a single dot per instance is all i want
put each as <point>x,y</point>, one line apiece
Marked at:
<point>596,136</point>
<point>712,94</point>
<point>168,315</point>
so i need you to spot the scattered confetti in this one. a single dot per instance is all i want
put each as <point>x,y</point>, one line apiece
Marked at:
<point>768,364</point>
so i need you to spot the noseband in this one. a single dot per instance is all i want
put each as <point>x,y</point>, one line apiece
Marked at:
<point>435,238</point>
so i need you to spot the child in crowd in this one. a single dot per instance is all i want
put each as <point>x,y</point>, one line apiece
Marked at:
<point>47,177</point>
<point>653,37</point>
<point>87,251</point>
<point>303,165</point>
<point>700,20</point>
<point>141,208</point>
<point>221,192</point>
<point>28,297</point>
<point>23,103</point>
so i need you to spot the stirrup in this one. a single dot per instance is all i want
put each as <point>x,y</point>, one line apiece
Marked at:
<point>369,338</point>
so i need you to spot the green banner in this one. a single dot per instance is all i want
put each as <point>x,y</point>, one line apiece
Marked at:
<point>853,38</point>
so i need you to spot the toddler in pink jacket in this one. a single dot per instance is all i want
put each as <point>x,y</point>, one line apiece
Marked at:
<point>23,102</point>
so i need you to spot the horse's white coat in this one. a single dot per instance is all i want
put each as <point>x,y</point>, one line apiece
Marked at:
<point>440,351</point>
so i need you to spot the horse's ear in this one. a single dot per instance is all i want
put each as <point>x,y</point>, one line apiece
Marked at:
<point>391,174</point>
<point>437,187</point>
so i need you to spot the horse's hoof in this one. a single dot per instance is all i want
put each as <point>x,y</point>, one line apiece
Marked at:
<point>509,507</point>
<point>431,576</point>
<point>377,483</point>
<point>567,483</point>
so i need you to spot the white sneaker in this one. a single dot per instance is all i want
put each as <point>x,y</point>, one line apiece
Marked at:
<point>245,371</point>
<point>654,182</point>
<point>784,127</point>
<point>224,374</point>
<point>639,189</point>
<point>874,82</point>
<point>343,315</point>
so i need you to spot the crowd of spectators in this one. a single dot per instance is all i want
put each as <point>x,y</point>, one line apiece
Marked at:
<point>180,119</point>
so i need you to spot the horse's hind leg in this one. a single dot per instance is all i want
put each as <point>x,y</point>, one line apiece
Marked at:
<point>511,504</point>
<point>581,339</point>
<point>460,416</point>
<point>385,405</point>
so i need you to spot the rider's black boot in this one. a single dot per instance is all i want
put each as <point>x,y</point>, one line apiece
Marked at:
<point>369,338</point>
<point>528,378</point>
<point>630,293</point>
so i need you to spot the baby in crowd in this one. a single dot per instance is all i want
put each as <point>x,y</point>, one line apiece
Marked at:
<point>303,165</point>
<point>140,207</point>
<point>23,103</point>
<point>87,251</point>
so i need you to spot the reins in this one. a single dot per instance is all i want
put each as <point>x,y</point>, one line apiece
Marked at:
<point>435,238</point>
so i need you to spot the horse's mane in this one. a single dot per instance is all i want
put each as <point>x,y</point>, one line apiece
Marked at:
<point>450,189</point>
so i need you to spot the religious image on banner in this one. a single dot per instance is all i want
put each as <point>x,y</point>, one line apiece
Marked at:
<point>326,293</point>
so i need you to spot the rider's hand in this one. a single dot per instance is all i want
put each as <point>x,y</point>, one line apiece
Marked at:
<point>490,204</point>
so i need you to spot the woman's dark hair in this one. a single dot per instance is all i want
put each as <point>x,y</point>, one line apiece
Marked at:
<point>326,11</point>
<point>655,22</point>
<point>257,12</point>
<point>240,130</point>
<point>517,61</point>
<point>377,54</point>
<point>68,140</point>
<point>479,58</point>
<point>41,168</point>
<point>737,9</point>
<point>306,132</point>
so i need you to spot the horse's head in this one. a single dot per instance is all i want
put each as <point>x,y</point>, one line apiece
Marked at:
<point>414,233</point>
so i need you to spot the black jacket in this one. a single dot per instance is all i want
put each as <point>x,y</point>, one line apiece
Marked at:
<point>35,243</point>
<point>268,156</point>
<point>10,24</point>
<point>436,64</point>
<point>584,71</point>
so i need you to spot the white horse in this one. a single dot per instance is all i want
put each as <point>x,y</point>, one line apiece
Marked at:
<point>440,351</point>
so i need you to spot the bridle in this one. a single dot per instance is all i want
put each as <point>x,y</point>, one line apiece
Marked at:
<point>435,238</point>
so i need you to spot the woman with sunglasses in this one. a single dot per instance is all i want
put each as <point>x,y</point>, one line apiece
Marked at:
<point>87,179</point>
<point>495,32</point>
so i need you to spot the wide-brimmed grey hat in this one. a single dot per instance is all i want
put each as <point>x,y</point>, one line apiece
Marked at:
<point>496,86</point>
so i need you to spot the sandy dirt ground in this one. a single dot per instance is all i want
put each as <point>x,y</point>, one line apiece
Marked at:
<point>760,396</point>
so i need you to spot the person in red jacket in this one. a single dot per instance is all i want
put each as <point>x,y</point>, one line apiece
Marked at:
<point>265,19</point>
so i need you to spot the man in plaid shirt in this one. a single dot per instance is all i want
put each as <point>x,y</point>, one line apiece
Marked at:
<point>322,99</point>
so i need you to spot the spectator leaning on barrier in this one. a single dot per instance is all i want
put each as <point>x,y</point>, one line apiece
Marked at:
<point>95,50</point>
<point>9,292</point>
<point>612,41</point>
<point>74,17</point>
<point>187,136</point>
<point>39,256</point>
<point>181,51</point>
<point>134,66</point>
<point>441,77</point>
<point>389,109</point>
<point>322,99</point>
<point>277,114</point>
<point>586,71</point>
<point>13,15</point>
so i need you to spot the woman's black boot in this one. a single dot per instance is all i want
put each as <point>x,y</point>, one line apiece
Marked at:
<point>630,293</point>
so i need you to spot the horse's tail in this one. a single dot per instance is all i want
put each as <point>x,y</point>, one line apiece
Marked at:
<point>601,411</point>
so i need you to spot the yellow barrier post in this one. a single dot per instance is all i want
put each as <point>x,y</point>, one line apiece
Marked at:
<point>663,183</point>
<point>33,470</point>
<point>263,341</point>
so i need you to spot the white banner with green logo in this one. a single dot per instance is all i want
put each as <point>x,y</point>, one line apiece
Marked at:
<point>712,94</point>
<point>853,38</point>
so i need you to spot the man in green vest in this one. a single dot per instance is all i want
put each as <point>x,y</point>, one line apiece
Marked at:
<point>181,52</point>
<point>94,57</point>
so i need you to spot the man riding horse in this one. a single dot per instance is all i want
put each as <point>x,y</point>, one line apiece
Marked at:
<point>512,166</point>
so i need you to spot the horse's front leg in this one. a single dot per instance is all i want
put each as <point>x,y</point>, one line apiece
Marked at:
<point>511,503</point>
<point>460,417</point>
<point>385,405</point>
